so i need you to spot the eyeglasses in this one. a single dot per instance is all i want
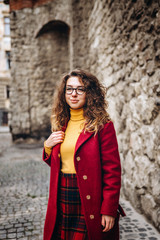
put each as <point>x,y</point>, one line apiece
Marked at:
<point>79,90</point>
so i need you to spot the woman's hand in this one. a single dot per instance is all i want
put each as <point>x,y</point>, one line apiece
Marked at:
<point>107,222</point>
<point>55,138</point>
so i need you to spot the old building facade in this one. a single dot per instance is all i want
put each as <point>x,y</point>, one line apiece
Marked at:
<point>119,41</point>
<point>5,77</point>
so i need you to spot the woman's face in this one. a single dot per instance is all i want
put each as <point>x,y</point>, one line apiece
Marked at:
<point>75,98</point>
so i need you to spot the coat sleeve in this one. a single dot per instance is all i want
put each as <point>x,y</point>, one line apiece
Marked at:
<point>46,158</point>
<point>111,170</point>
<point>48,150</point>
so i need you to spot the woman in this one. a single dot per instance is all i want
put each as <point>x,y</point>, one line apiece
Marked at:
<point>82,152</point>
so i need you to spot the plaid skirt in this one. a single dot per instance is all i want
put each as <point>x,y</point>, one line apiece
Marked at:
<point>70,222</point>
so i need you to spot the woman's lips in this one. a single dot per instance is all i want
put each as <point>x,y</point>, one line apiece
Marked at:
<point>74,101</point>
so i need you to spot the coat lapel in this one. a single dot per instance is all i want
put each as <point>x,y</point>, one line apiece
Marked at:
<point>83,137</point>
<point>56,154</point>
<point>57,148</point>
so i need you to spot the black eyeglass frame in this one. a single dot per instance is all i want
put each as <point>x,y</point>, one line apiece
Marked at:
<point>72,89</point>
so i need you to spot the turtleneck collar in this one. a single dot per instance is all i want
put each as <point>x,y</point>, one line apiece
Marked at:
<point>76,114</point>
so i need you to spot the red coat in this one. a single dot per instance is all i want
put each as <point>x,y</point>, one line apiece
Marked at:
<point>97,164</point>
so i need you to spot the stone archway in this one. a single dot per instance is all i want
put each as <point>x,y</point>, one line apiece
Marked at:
<point>50,60</point>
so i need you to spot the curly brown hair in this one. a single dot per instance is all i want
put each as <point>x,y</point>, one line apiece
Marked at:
<point>95,107</point>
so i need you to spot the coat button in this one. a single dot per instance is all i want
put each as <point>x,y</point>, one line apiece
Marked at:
<point>85,177</point>
<point>59,155</point>
<point>88,197</point>
<point>91,216</point>
<point>78,158</point>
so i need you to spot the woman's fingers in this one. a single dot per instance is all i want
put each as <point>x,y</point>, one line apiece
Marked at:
<point>106,226</point>
<point>54,138</point>
<point>103,222</point>
<point>107,222</point>
<point>56,135</point>
<point>59,139</point>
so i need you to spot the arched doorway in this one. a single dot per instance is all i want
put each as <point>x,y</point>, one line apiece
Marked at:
<point>50,61</point>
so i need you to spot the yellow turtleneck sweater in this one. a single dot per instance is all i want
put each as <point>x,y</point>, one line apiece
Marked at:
<point>74,128</point>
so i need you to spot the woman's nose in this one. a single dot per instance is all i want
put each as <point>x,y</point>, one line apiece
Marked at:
<point>74,93</point>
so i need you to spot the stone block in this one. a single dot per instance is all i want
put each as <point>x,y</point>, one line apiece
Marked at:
<point>147,203</point>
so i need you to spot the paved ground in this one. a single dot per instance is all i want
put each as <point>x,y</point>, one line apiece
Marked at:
<point>24,182</point>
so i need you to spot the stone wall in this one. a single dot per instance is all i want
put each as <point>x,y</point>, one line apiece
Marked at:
<point>124,51</point>
<point>40,54</point>
<point>119,41</point>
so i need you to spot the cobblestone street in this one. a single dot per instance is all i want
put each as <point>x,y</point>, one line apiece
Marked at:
<point>24,182</point>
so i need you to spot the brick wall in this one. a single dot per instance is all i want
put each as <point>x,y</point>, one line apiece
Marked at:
<point>20,4</point>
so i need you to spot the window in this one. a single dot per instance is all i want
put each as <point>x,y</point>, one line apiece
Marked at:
<point>8,59</point>
<point>7,91</point>
<point>5,118</point>
<point>6,26</point>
